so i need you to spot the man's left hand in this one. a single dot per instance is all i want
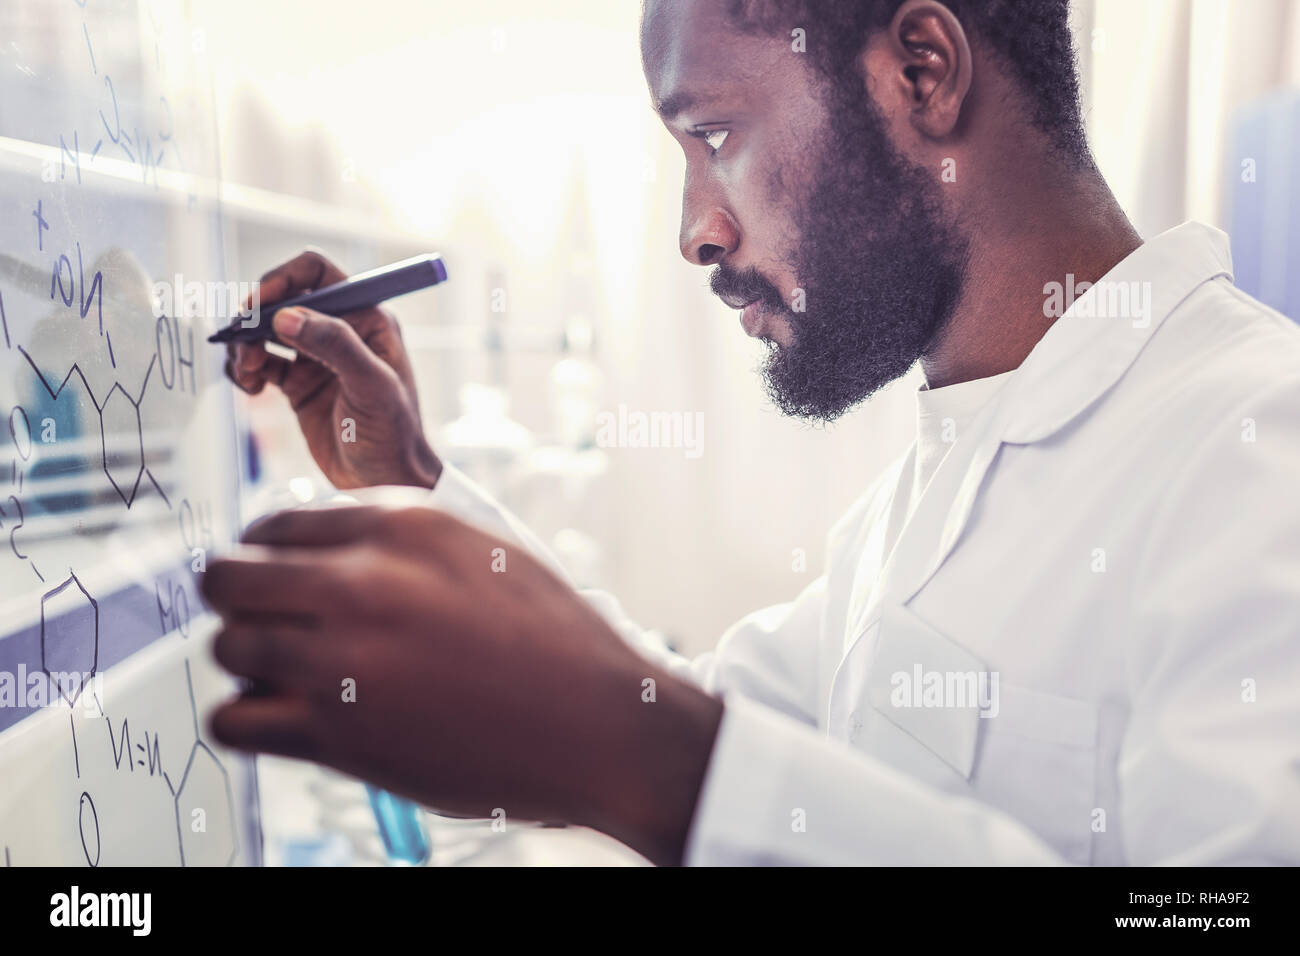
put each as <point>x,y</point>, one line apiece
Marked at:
<point>409,649</point>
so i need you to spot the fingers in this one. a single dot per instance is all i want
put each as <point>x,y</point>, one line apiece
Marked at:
<point>363,349</point>
<point>284,656</point>
<point>248,385</point>
<point>250,367</point>
<point>336,345</point>
<point>307,270</point>
<point>277,655</point>
<point>314,528</point>
<point>280,724</point>
<point>281,583</point>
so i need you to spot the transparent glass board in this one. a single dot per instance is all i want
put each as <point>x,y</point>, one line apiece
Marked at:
<point>119,454</point>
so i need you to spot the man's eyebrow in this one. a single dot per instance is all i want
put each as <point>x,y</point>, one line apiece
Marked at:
<point>673,104</point>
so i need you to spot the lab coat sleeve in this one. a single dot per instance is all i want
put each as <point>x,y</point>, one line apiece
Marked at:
<point>780,793</point>
<point>1210,765</point>
<point>769,655</point>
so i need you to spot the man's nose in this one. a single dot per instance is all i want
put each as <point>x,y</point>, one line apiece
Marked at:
<point>708,235</point>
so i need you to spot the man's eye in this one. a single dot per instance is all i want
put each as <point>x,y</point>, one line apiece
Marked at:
<point>715,138</point>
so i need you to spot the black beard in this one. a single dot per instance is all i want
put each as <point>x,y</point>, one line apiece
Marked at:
<point>880,263</point>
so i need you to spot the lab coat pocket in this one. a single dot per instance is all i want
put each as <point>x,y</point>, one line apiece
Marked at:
<point>1037,762</point>
<point>939,708</point>
<point>929,687</point>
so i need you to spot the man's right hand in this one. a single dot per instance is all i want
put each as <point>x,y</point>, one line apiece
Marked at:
<point>351,385</point>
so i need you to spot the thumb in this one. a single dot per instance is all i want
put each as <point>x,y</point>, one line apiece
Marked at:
<point>330,341</point>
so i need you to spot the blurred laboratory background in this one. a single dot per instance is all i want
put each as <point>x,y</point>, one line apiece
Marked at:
<point>517,140</point>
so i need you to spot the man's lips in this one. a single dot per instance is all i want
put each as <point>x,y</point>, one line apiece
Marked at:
<point>736,301</point>
<point>751,318</point>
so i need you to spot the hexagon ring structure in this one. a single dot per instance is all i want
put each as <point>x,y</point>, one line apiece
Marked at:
<point>70,647</point>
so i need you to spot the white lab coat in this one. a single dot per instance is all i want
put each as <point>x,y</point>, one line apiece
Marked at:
<point>1117,536</point>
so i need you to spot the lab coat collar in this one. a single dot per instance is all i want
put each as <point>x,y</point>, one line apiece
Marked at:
<point>1088,349</point>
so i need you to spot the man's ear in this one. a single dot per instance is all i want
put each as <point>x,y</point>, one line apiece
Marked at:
<point>932,72</point>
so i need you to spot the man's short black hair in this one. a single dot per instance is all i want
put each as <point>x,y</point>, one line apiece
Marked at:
<point>1032,37</point>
